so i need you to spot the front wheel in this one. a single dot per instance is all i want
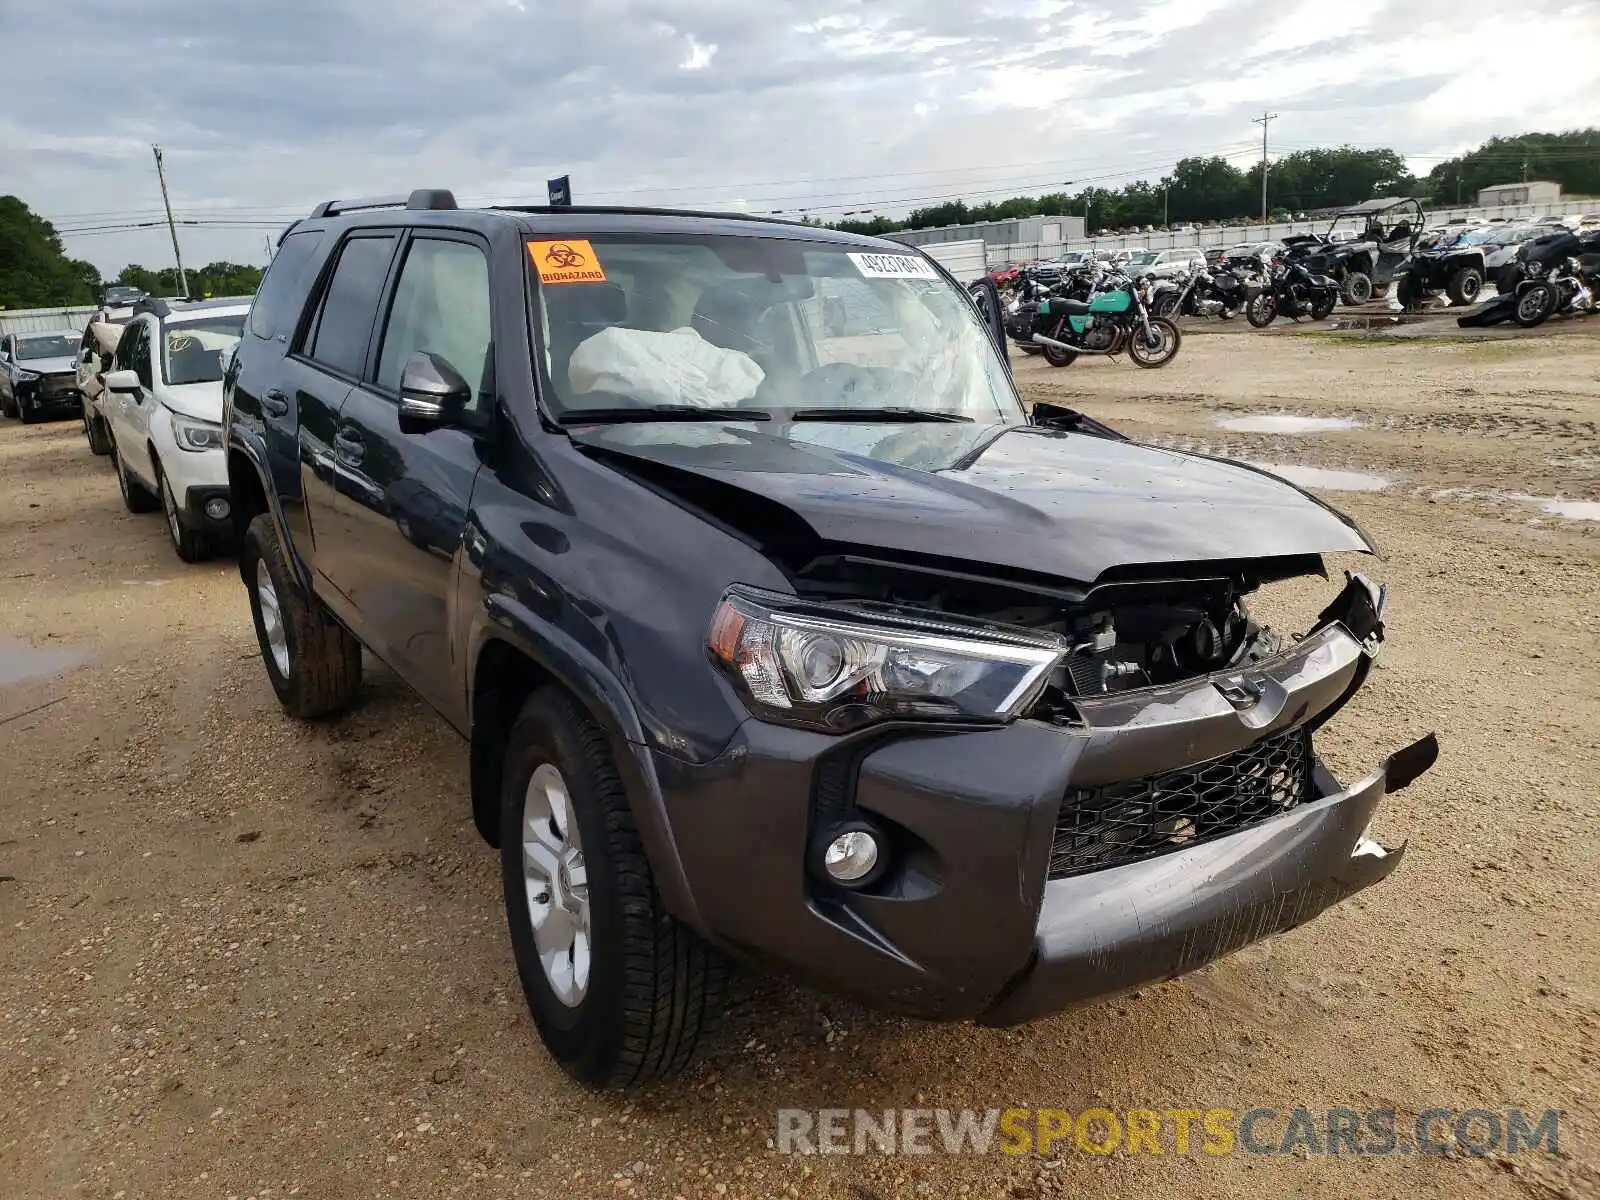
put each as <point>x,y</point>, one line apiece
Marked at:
<point>619,991</point>
<point>1156,348</point>
<point>1261,311</point>
<point>312,661</point>
<point>1357,288</point>
<point>1059,358</point>
<point>1535,305</point>
<point>1322,307</point>
<point>191,545</point>
<point>1464,286</point>
<point>1165,305</point>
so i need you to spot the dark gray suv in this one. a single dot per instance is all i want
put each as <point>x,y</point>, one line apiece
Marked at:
<point>783,639</point>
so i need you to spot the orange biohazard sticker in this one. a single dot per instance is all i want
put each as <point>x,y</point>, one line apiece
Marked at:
<point>566,262</point>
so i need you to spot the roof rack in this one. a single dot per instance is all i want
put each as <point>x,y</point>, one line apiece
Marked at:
<point>560,210</point>
<point>421,200</point>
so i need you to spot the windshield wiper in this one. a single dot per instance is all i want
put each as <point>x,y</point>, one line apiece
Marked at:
<point>660,412</point>
<point>884,416</point>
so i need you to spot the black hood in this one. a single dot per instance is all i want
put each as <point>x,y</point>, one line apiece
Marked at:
<point>1064,504</point>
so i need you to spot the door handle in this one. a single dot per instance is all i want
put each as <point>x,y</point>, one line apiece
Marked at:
<point>349,447</point>
<point>274,403</point>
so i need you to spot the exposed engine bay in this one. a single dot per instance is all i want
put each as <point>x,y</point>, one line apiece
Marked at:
<point>1125,635</point>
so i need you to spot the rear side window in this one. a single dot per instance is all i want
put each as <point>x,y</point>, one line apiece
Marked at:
<point>344,324</point>
<point>282,291</point>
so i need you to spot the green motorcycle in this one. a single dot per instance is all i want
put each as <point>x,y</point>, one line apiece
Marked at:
<point>1108,322</point>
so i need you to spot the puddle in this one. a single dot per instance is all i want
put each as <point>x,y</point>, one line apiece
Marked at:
<point>1347,323</point>
<point>20,660</point>
<point>1328,480</point>
<point>1573,510</point>
<point>1285,423</point>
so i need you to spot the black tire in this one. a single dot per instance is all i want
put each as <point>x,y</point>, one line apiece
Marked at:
<point>1030,350</point>
<point>1535,306</point>
<point>1357,288</point>
<point>192,545</point>
<point>1261,311</point>
<point>5,407</point>
<point>1059,358</point>
<point>324,660</point>
<point>1159,355</point>
<point>654,988</point>
<point>28,418</point>
<point>99,440</point>
<point>136,498</point>
<point>1410,294</point>
<point>1322,307</point>
<point>1464,286</point>
<point>1166,305</point>
<point>1380,291</point>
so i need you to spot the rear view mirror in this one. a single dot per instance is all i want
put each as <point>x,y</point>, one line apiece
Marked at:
<point>432,393</point>
<point>123,382</point>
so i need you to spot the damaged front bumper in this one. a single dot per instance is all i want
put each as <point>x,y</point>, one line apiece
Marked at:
<point>986,913</point>
<point>1115,930</point>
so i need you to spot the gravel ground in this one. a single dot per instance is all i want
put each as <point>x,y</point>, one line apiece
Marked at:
<point>245,958</point>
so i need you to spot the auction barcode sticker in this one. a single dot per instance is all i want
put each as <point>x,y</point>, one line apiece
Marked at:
<point>894,266</point>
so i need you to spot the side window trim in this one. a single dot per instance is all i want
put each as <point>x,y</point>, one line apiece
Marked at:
<point>311,318</point>
<point>391,290</point>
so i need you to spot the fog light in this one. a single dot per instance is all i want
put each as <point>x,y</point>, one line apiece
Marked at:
<point>217,508</point>
<point>851,857</point>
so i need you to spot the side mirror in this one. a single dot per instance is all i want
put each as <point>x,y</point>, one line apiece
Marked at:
<point>124,383</point>
<point>986,297</point>
<point>432,393</point>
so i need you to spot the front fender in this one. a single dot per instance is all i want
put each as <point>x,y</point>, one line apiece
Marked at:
<point>246,443</point>
<point>594,685</point>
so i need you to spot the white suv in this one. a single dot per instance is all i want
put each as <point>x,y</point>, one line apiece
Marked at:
<point>163,402</point>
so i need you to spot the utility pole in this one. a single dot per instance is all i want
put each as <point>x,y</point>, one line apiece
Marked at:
<point>172,227</point>
<point>1263,121</point>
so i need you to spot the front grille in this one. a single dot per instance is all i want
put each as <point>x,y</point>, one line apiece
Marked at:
<point>58,385</point>
<point>1127,822</point>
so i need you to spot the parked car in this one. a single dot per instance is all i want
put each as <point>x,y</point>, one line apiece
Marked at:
<point>811,650</point>
<point>1163,264</point>
<point>120,295</point>
<point>96,350</point>
<point>38,375</point>
<point>163,404</point>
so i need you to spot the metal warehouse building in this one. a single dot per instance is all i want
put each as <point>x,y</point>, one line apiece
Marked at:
<point>1043,231</point>
<point>1537,191</point>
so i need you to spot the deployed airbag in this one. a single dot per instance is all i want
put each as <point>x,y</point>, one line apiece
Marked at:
<point>680,367</point>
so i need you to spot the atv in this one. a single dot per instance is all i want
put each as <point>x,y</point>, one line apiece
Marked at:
<point>1386,233</point>
<point>1444,265</point>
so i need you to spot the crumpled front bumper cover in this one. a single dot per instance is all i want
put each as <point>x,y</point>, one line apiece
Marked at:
<point>1110,931</point>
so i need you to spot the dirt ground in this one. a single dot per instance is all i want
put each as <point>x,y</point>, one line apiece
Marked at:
<point>245,958</point>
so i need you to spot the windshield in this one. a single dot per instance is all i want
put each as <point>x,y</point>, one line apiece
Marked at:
<point>193,351</point>
<point>47,345</point>
<point>773,328</point>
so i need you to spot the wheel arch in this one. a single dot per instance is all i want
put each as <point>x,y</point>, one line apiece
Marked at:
<point>250,495</point>
<point>513,653</point>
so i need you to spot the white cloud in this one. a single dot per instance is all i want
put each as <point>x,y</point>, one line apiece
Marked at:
<point>822,104</point>
<point>699,56</point>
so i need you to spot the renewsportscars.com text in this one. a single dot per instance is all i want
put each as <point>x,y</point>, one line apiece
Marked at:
<point>1373,1132</point>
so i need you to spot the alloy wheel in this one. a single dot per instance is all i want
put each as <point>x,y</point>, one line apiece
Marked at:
<point>272,619</point>
<point>556,883</point>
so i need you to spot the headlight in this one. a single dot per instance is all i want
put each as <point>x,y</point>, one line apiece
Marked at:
<point>196,435</point>
<point>806,666</point>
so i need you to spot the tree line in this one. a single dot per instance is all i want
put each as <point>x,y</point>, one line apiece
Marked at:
<point>1213,189</point>
<point>36,272</point>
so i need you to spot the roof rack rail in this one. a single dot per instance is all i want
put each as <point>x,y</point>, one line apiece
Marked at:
<point>420,200</point>
<point>637,211</point>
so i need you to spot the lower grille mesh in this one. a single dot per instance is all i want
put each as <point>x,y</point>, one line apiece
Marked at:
<point>1127,822</point>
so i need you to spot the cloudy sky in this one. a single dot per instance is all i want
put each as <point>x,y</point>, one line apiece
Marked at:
<point>264,108</point>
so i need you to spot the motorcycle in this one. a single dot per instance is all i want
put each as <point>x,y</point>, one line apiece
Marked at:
<point>1294,292</point>
<point>1210,293</point>
<point>1113,319</point>
<point>1553,280</point>
<point>1563,289</point>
